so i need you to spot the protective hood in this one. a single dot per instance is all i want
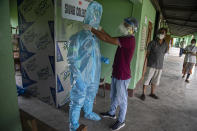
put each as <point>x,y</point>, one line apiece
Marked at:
<point>93,14</point>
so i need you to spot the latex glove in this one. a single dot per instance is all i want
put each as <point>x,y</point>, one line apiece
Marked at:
<point>87,27</point>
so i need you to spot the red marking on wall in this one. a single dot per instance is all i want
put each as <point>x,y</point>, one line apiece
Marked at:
<point>80,3</point>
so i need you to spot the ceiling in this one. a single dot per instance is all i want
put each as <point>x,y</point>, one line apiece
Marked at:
<point>180,15</point>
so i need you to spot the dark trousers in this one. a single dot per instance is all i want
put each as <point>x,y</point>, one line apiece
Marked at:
<point>181,52</point>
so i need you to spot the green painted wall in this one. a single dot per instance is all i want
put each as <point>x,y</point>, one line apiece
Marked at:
<point>137,10</point>
<point>13,13</point>
<point>111,19</point>
<point>140,11</point>
<point>195,35</point>
<point>175,40</point>
<point>188,39</point>
<point>9,114</point>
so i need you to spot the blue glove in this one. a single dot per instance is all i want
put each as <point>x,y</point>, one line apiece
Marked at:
<point>105,60</point>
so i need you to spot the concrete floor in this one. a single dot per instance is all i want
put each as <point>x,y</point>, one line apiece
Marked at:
<point>176,110</point>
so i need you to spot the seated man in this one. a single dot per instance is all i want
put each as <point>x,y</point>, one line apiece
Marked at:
<point>85,67</point>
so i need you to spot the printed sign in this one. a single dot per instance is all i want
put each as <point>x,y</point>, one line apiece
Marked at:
<point>146,20</point>
<point>143,39</point>
<point>62,74</point>
<point>36,18</point>
<point>74,9</point>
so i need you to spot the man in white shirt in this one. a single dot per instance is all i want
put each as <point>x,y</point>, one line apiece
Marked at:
<point>190,59</point>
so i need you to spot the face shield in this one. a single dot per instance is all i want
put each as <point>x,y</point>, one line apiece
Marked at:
<point>132,24</point>
<point>129,26</point>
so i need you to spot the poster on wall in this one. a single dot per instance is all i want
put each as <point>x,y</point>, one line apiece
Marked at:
<point>36,18</point>
<point>62,74</point>
<point>35,9</point>
<point>143,40</point>
<point>146,20</point>
<point>74,9</point>
<point>37,38</point>
<point>65,27</point>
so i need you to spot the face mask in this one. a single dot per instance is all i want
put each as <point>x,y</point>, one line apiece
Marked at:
<point>131,31</point>
<point>161,36</point>
<point>193,44</point>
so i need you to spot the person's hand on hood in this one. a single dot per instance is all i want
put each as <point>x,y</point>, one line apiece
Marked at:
<point>87,27</point>
<point>100,28</point>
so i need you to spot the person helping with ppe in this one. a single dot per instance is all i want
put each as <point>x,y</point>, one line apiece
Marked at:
<point>121,73</point>
<point>189,60</point>
<point>85,66</point>
<point>156,51</point>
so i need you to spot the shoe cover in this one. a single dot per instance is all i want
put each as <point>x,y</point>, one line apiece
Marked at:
<point>77,99</point>
<point>92,116</point>
<point>89,102</point>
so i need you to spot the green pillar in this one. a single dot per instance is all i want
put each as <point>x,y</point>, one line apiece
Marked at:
<point>9,111</point>
<point>195,35</point>
<point>141,11</point>
<point>13,13</point>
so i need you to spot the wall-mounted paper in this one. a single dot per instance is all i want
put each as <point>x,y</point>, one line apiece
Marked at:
<point>74,9</point>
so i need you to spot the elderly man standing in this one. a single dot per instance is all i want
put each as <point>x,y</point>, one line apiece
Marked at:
<point>155,56</point>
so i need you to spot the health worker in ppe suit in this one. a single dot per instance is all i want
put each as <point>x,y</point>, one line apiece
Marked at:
<point>85,66</point>
<point>121,73</point>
